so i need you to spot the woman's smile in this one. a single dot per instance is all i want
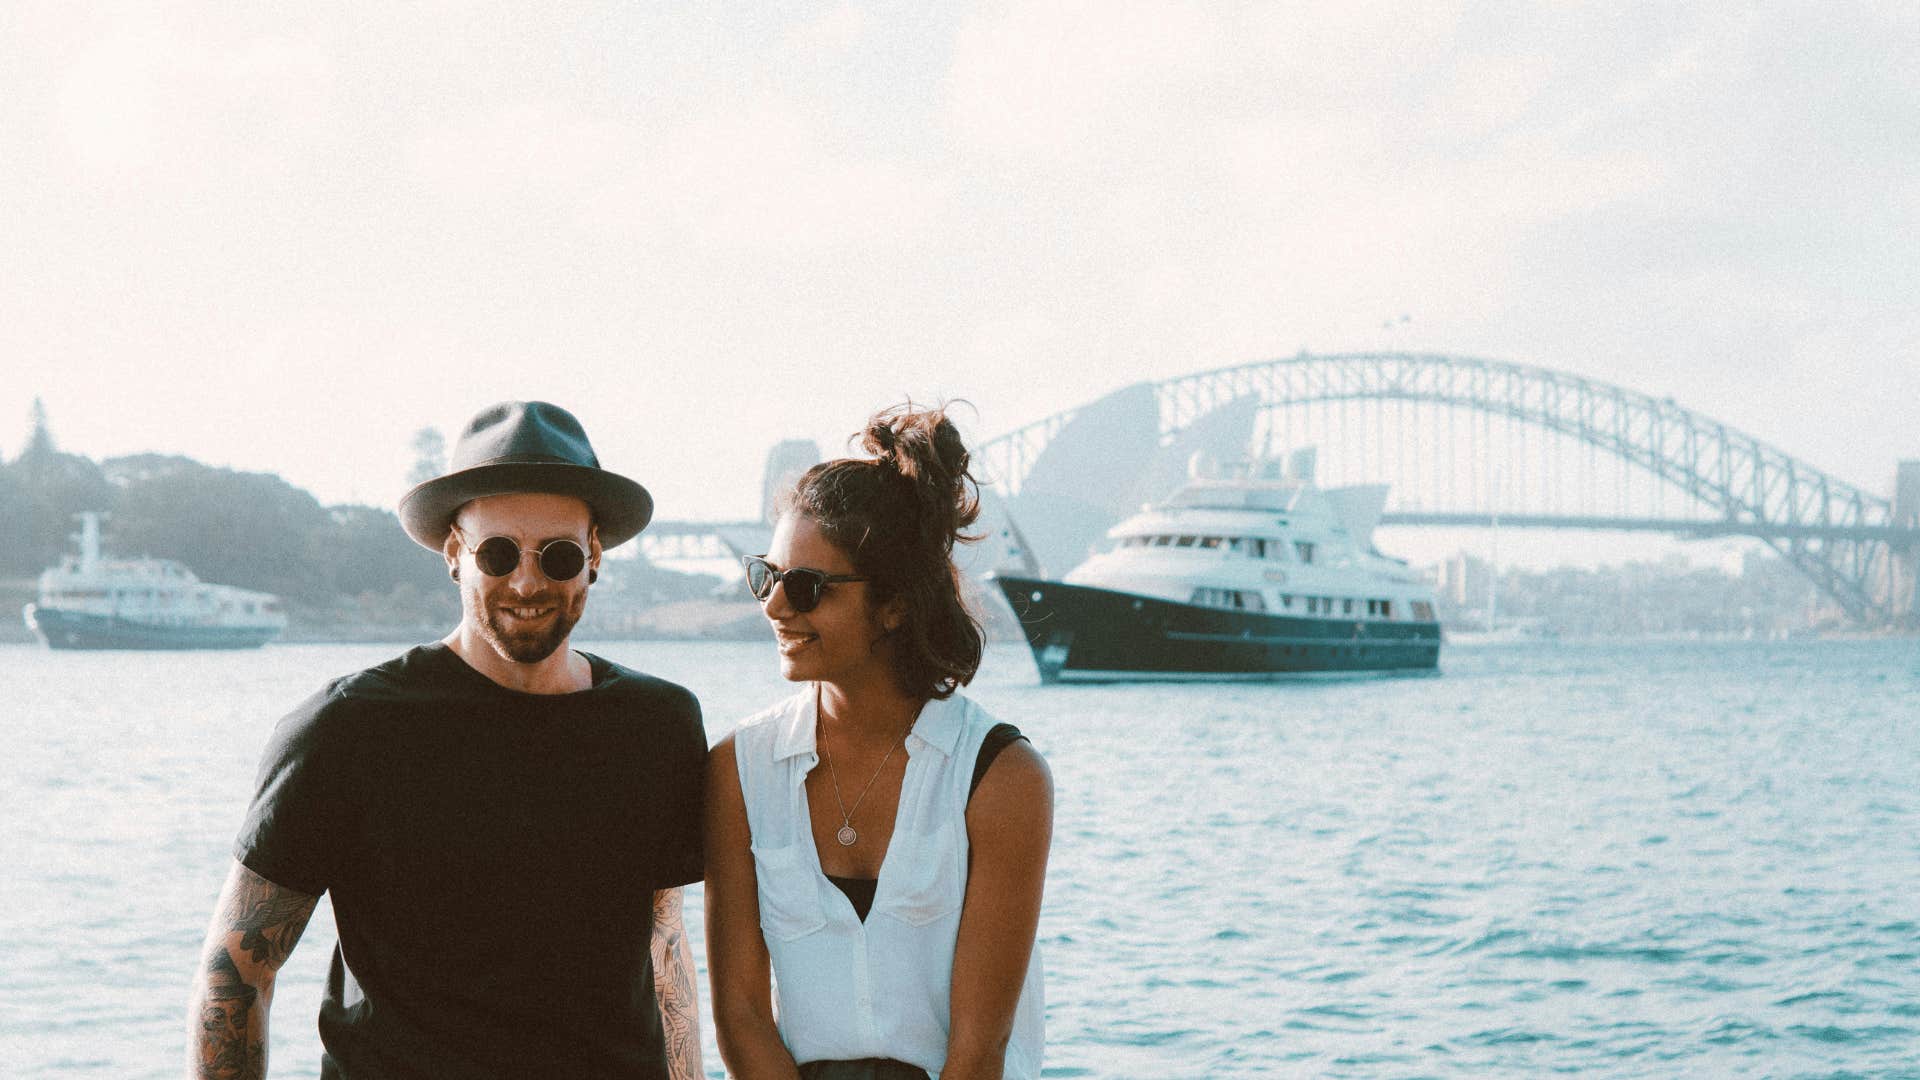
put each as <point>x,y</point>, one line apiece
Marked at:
<point>792,641</point>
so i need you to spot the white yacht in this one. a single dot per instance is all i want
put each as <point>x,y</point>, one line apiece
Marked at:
<point>89,602</point>
<point>1249,573</point>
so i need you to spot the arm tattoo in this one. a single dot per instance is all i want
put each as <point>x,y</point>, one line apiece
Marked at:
<point>269,918</point>
<point>230,1044</point>
<point>673,986</point>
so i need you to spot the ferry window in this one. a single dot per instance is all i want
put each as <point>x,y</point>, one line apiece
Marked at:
<point>1185,541</point>
<point>1209,541</point>
<point>1423,611</point>
<point>1259,547</point>
<point>1253,601</point>
<point>1313,605</point>
<point>1162,541</point>
<point>1386,609</point>
<point>1304,549</point>
<point>1286,600</point>
<point>1346,606</point>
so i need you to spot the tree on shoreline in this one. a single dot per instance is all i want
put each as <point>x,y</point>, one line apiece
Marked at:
<point>40,492</point>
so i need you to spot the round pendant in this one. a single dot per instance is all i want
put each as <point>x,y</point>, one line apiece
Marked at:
<point>846,836</point>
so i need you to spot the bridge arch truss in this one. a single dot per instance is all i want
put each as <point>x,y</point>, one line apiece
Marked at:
<point>1844,538</point>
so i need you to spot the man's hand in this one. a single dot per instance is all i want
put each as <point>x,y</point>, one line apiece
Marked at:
<point>673,987</point>
<point>254,929</point>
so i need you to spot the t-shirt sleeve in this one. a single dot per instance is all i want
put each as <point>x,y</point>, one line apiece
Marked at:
<point>682,858</point>
<point>292,825</point>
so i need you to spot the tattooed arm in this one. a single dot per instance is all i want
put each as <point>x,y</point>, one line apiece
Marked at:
<point>673,986</point>
<point>254,928</point>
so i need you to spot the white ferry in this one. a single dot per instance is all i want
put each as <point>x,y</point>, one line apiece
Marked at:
<point>88,602</point>
<point>1250,574</point>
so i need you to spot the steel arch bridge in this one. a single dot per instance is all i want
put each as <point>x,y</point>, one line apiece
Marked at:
<point>1521,423</point>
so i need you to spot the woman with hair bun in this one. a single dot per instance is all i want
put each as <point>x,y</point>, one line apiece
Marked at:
<point>876,843</point>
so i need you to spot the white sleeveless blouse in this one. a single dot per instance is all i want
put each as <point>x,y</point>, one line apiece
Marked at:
<point>844,989</point>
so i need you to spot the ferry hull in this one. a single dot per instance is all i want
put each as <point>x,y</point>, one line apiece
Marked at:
<point>1083,634</point>
<point>74,630</point>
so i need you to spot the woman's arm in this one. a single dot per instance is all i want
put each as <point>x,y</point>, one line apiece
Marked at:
<point>738,969</point>
<point>1009,832</point>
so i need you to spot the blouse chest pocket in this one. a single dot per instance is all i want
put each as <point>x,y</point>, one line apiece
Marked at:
<point>789,895</point>
<point>930,878</point>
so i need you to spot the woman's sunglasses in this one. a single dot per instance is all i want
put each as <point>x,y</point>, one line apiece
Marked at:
<point>804,584</point>
<point>498,556</point>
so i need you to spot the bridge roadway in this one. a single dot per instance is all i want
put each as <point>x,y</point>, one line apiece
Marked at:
<point>1690,528</point>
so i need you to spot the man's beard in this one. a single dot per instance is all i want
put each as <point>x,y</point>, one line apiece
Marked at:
<point>535,644</point>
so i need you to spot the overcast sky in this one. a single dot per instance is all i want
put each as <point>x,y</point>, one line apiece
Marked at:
<point>281,238</point>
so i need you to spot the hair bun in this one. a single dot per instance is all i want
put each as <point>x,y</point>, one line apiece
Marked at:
<point>925,448</point>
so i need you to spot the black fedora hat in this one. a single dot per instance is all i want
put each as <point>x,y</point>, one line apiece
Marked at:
<point>517,447</point>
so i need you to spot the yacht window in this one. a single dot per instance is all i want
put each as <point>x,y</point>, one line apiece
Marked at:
<point>1304,549</point>
<point>1238,599</point>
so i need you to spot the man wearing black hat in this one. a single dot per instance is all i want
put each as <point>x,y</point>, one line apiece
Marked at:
<point>504,823</point>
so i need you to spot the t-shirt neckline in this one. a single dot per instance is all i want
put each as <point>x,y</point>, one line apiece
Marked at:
<point>601,670</point>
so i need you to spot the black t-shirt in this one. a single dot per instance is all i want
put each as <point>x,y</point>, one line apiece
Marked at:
<point>492,857</point>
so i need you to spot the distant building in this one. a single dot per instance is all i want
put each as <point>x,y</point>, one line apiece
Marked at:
<point>1464,581</point>
<point>786,462</point>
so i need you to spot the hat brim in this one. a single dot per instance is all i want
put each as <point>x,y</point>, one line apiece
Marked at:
<point>621,507</point>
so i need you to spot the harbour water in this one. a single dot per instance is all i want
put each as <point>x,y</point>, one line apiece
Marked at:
<point>1695,859</point>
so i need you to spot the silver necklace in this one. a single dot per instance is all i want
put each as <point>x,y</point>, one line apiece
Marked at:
<point>846,835</point>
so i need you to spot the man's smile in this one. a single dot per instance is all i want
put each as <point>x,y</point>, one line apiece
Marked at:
<point>527,613</point>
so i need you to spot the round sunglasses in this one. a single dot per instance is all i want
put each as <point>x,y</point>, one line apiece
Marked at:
<point>498,556</point>
<point>804,584</point>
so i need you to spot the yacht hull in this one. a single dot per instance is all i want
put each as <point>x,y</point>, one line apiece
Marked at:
<point>1084,634</point>
<point>76,630</point>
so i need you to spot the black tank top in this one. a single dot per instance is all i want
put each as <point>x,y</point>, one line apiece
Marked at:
<point>860,890</point>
